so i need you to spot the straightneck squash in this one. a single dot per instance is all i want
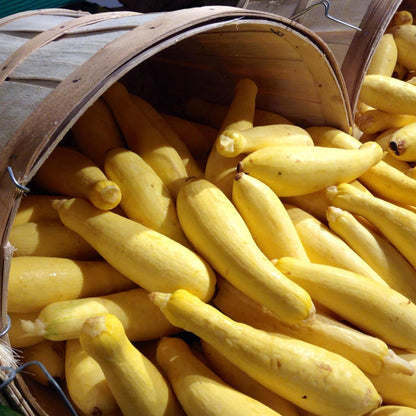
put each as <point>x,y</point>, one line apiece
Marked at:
<point>309,376</point>
<point>96,131</point>
<point>69,172</point>
<point>137,384</point>
<point>218,232</point>
<point>382,179</point>
<point>396,223</point>
<point>389,94</point>
<point>369,353</point>
<point>63,320</point>
<point>199,389</point>
<point>323,246</point>
<point>36,281</point>
<point>147,257</point>
<point>374,308</point>
<point>266,218</point>
<point>396,388</point>
<point>376,250</point>
<point>145,198</point>
<point>244,383</point>
<point>192,167</point>
<point>231,143</point>
<point>144,138</point>
<point>86,382</point>
<point>296,170</point>
<point>239,116</point>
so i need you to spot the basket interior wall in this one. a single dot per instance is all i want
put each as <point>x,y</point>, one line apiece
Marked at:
<point>292,75</point>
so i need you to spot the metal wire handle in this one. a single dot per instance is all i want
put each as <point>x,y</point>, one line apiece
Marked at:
<point>12,372</point>
<point>16,183</point>
<point>5,330</point>
<point>326,4</point>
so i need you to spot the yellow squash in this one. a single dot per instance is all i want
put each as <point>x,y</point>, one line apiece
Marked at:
<point>374,308</point>
<point>231,143</point>
<point>206,112</point>
<point>265,117</point>
<point>323,246</point>
<point>68,172</point>
<point>63,320</point>
<point>381,179</point>
<point>213,114</point>
<point>393,411</point>
<point>297,170</point>
<point>384,58</point>
<point>266,218</point>
<point>376,121</point>
<point>192,167</point>
<point>309,376</point>
<point>220,170</point>
<point>369,353</point>
<point>395,388</point>
<point>51,355</point>
<point>198,137</point>
<point>137,385</point>
<point>396,223</point>
<point>35,208</point>
<point>50,238</point>
<point>96,131</point>
<point>376,250</point>
<point>19,338</point>
<point>400,17</point>
<point>147,257</point>
<point>389,94</point>
<point>34,281</point>
<point>402,143</point>
<point>145,198</point>
<point>218,232</point>
<point>405,39</point>
<point>199,390</point>
<point>86,383</point>
<point>239,380</point>
<point>314,203</point>
<point>144,138</point>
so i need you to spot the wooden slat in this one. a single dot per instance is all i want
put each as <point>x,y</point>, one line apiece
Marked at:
<point>36,23</point>
<point>56,60</point>
<point>8,44</point>
<point>226,43</point>
<point>364,43</point>
<point>17,102</point>
<point>285,79</point>
<point>128,22</point>
<point>42,12</point>
<point>48,36</point>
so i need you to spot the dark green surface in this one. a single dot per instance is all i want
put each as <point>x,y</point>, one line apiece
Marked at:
<point>5,411</point>
<point>8,7</point>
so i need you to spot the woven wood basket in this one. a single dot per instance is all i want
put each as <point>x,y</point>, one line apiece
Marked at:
<point>351,29</point>
<point>55,63</point>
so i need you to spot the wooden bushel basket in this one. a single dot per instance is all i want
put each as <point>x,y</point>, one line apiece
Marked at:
<point>56,63</point>
<point>352,35</point>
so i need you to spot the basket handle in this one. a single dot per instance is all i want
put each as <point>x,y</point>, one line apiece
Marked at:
<point>11,373</point>
<point>326,4</point>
